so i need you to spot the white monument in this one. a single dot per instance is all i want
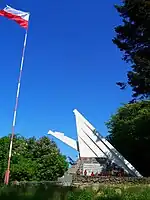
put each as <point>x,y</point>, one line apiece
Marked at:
<point>92,146</point>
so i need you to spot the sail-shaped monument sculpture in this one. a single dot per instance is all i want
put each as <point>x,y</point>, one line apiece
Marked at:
<point>94,150</point>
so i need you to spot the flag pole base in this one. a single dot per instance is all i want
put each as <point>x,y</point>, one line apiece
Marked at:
<point>6,180</point>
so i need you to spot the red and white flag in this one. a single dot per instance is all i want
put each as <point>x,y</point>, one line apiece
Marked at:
<point>20,17</point>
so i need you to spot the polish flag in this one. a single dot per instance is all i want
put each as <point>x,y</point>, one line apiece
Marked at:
<point>18,16</point>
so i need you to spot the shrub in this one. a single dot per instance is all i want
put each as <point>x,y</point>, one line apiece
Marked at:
<point>55,192</point>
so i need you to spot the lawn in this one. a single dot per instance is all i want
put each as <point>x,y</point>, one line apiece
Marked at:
<point>52,192</point>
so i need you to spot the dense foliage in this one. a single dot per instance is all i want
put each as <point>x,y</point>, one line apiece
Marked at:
<point>133,39</point>
<point>129,132</point>
<point>32,159</point>
<point>49,192</point>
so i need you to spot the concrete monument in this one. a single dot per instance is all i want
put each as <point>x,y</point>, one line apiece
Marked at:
<point>96,154</point>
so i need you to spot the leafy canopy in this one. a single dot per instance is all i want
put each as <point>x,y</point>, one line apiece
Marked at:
<point>133,39</point>
<point>129,132</point>
<point>32,159</point>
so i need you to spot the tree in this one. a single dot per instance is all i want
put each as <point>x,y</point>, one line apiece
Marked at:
<point>22,165</point>
<point>129,132</point>
<point>32,159</point>
<point>51,164</point>
<point>133,39</point>
<point>4,143</point>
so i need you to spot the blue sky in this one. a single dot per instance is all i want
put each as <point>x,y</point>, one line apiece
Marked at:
<point>70,62</point>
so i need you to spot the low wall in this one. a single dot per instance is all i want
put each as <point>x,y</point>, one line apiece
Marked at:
<point>88,180</point>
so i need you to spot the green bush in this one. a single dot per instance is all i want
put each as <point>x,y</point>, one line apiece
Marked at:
<point>53,192</point>
<point>80,195</point>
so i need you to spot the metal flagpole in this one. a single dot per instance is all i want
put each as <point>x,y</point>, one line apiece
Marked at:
<point>7,173</point>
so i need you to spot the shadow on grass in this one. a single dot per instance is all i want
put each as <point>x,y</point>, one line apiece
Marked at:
<point>41,192</point>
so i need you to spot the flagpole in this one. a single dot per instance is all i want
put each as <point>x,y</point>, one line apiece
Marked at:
<point>7,173</point>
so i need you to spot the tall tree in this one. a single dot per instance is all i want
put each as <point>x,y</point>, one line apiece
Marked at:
<point>129,132</point>
<point>133,39</point>
<point>32,159</point>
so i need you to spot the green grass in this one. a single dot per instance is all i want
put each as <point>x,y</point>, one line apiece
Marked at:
<point>51,192</point>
